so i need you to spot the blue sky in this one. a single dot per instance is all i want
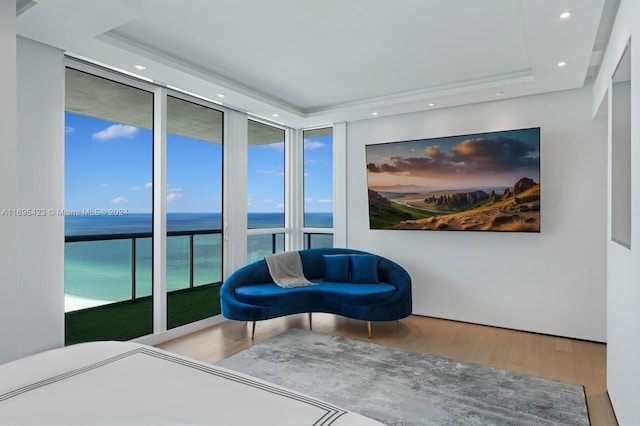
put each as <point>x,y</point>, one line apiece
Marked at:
<point>109,165</point>
<point>318,172</point>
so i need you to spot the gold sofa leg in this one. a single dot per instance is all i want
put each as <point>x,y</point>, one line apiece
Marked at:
<point>310,322</point>
<point>253,331</point>
<point>369,328</point>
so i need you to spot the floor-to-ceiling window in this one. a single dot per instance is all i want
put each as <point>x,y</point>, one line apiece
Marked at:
<point>318,187</point>
<point>265,190</point>
<point>108,208</point>
<point>194,211</point>
<point>128,140</point>
<point>109,216</point>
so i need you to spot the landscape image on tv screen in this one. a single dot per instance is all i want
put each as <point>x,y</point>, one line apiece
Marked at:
<point>477,182</point>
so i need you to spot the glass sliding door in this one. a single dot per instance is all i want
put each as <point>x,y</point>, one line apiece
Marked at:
<point>266,190</point>
<point>194,206</point>
<point>318,187</point>
<point>109,204</point>
<point>108,209</point>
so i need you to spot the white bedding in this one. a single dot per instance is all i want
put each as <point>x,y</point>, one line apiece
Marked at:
<point>120,383</point>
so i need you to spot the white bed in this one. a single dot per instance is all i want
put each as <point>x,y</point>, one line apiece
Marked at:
<point>120,383</point>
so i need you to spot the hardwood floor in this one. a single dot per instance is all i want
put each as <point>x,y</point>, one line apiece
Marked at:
<point>568,360</point>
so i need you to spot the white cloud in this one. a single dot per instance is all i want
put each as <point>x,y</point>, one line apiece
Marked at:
<point>104,185</point>
<point>68,130</point>
<point>311,145</point>
<point>115,131</point>
<point>174,194</point>
<point>308,200</point>
<point>267,201</point>
<point>270,172</point>
<point>280,207</point>
<point>119,200</point>
<point>147,185</point>
<point>325,201</point>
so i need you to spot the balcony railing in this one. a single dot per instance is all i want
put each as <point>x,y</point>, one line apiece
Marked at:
<point>125,317</point>
<point>134,237</point>
<point>260,245</point>
<point>132,309</point>
<point>317,240</point>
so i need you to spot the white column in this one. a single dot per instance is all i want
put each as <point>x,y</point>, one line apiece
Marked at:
<point>40,192</point>
<point>234,228</point>
<point>340,162</point>
<point>294,185</point>
<point>159,210</point>
<point>8,184</point>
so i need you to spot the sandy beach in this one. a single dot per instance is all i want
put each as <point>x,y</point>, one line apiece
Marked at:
<point>74,303</point>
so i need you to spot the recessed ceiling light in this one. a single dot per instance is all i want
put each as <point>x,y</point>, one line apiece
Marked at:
<point>221,95</point>
<point>432,104</point>
<point>499,93</point>
<point>140,67</point>
<point>374,113</point>
<point>276,115</point>
<point>562,63</point>
<point>565,15</point>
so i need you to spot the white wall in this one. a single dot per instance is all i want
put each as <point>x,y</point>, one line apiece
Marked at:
<point>40,162</point>
<point>31,177</point>
<point>623,265</point>
<point>552,282</point>
<point>8,153</point>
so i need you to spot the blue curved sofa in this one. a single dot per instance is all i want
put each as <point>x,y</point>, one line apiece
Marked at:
<point>249,294</point>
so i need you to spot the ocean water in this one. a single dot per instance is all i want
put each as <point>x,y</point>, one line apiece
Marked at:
<point>101,271</point>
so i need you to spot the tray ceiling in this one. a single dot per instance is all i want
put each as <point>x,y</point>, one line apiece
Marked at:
<point>315,62</point>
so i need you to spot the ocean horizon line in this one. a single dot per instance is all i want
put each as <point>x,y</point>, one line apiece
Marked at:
<point>126,223</point>
<point>127,212</point>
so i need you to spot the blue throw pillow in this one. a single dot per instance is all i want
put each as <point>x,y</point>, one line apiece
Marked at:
<point>336,267</point>
<point>364,268</point>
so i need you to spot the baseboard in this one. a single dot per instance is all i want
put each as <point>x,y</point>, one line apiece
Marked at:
<point>165,336</point>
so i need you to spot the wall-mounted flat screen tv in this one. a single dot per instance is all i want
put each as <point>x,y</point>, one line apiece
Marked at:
<point>478,182</point>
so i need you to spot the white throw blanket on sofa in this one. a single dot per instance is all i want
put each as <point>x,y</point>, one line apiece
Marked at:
<point>286,270</point>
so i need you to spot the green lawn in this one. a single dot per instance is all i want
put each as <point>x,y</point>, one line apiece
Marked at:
<point>134,318</point>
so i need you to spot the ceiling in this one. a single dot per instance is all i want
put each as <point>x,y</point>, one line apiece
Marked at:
<point>307,63</point>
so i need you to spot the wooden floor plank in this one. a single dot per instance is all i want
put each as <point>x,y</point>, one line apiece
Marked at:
<point>551,357</point>
<point>548,362</point>
<point>532,355</point>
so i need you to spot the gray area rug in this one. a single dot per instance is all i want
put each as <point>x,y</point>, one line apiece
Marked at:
<point>398,387</point>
